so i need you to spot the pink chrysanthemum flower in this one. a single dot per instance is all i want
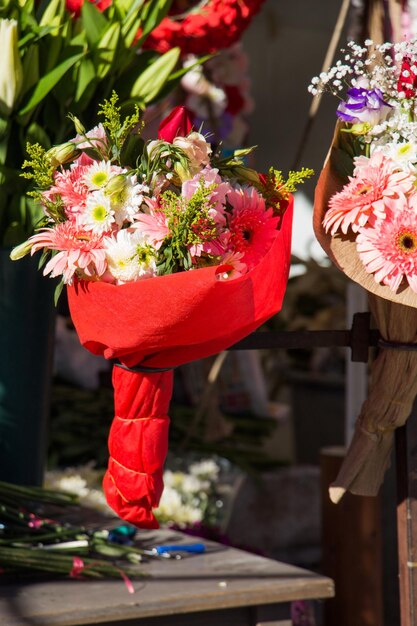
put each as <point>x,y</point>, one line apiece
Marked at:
<point>78,251</point>
<point>363,199</point>
<point>70,185</point>
<point>252,227</point>
<point>388,250</point>
<point>153,225</point>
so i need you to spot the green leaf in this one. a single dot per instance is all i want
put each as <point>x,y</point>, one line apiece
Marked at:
<point>132,149</point>
<point>58,291</point>
<point>86,83</point>
<point>153,79</point>
<point>94,23</point>
<point>30,65</point>
<point>48,82</point>
<point>36,134</point>
<point>106,50</point>
<point>131,22</point>
<point>54,13</point>
<point>153,13</point>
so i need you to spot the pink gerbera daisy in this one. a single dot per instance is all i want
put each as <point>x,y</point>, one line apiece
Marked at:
<point>153,225</point>
<point>364,198</point>
<point>71,186</point>
<point>389,249</point>
<point>252,227</point>
<point>78,251</point>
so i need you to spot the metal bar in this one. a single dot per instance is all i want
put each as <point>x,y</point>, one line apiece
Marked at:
<point>359,338</point>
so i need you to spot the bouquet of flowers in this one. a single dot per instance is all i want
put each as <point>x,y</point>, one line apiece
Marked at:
<point>170,254</point>
<point>365,219</point>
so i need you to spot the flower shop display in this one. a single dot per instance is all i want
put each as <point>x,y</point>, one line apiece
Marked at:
<point>365,219</point>
<point>169,254</point>
<point>203,27</point>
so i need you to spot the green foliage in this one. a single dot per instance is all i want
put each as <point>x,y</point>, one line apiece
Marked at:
<point>117,129</point>
<point>189,224</point>
<point>66,63</point>
<point>277,189</point>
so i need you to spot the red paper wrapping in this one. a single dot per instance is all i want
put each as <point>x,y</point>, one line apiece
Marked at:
<point>163,322</point>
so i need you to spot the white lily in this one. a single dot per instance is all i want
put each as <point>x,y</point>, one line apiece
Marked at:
<point>11,73</point>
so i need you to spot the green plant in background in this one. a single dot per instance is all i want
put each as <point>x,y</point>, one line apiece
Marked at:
<point>54,61</point>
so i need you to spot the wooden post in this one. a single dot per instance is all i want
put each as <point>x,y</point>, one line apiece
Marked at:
<point>406,447</point>
<point>352,555</point>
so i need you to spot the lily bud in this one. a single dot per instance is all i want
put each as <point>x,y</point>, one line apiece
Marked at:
<point>116,188</point>
<point>11,76</point>
<point>247,173</point>
<point>21,250</point>
<point>182,172</point>
<point>79,128</point>
<point>65,153</point>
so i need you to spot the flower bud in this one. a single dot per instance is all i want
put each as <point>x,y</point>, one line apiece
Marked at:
<point>247,173</point>
<point>115,189</point>
<point>182,172</point>
<point>21,250</point>
<point>79,128</point>
<point>360,129</point>
<point>66,152</point>
<point>11,76</point>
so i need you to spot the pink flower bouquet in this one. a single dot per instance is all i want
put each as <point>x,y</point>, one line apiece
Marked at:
<point>169,254</point>
<point>365,217</point>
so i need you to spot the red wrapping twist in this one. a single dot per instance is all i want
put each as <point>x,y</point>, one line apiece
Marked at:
<point>138,444</point>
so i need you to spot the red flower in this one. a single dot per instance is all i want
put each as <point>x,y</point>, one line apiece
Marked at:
<point>216,26</point>
<point>74,6</point>
<point>407,81</point>
<point>176,124</point>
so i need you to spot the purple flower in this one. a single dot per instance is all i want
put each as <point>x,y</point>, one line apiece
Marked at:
<point>363,106</point>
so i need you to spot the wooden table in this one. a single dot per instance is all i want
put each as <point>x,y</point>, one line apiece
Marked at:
<point>222,587</point>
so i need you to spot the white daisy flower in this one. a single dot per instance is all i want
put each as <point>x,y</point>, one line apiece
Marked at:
<point>98,215</point>
<point>98,174</point>
<point>129,256</point>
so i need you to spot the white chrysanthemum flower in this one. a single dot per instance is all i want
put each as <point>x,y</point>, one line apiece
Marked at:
<point>127,199</point>
<point>129,256</point>
<point>403,153</point>
<point>98,174</point>
<point>98,215</point>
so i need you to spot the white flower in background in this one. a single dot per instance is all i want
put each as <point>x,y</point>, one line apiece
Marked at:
<point>11,72</point>
<point>214,101</point>
<point>207,469</point>
<point>98,215</point>
<point>129,256</point>
<point>172,509</point>
<point>82,481</point>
